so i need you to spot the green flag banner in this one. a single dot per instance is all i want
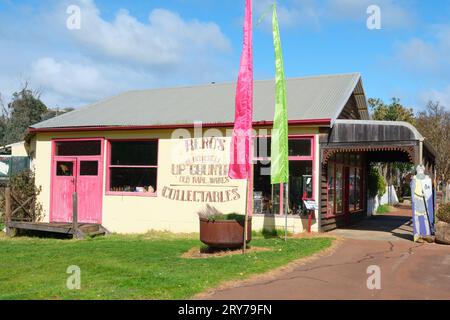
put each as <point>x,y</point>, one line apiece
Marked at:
<point>279,154</point>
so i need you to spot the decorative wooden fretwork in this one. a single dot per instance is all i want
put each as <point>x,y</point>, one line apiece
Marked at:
<point>328,152</point>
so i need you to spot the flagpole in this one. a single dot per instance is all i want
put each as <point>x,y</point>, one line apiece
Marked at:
<point>244,246</point>
<point>286,212</point>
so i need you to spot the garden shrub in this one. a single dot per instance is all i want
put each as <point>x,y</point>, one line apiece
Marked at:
<point>376,184</point>
<point>212,214</point>
<point>23,187</point>
<point>443,213</point>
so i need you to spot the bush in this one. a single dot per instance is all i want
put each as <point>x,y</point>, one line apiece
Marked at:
<point>23,187</point>
<point>376,184</point>
<point>384,208</point>
<point>212,214</point>
<point>227,217</point>
<point>443,213</point>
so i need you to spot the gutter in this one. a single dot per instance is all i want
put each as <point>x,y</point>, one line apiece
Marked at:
<point>319,122</point>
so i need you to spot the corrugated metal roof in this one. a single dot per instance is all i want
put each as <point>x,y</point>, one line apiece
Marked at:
<point>317,97</point>
<point>414,132</point>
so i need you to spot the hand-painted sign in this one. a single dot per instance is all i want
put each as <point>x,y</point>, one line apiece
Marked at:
<point>199,172</point>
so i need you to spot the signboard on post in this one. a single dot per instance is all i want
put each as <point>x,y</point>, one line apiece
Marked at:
<point>310,205</point>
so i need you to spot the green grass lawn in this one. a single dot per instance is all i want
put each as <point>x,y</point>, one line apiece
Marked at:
<point>132,267</point>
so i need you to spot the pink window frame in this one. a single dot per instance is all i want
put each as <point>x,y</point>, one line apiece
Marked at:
<point>311,158</point>
<point>55,157</point>
<point>108,192</point>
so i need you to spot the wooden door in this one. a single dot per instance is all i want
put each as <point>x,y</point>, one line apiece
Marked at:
<point>89,189</point>
<point>64,185</point>
<point>77,167</point>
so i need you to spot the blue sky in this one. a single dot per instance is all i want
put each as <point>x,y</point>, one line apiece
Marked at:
<point>125,45</point>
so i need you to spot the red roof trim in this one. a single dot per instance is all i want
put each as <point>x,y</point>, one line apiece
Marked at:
<point>319,122</point>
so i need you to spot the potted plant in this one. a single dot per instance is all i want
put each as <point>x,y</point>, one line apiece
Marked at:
<point>443,225</point>
<point>226,231</point>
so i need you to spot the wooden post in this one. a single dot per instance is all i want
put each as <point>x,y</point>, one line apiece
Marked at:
<point>8,210</point>
<point>7,204</point>
<point>75,212</point>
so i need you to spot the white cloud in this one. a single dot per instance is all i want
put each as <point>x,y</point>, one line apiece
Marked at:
<point>430,57</point>
<point>106,57</point>
<point>393,15</point>
<point>166,39</point>
<point>441,96</point>
<point>290,13</point>
<point>417,54</point>
<point>70,80</point>
<point>310,13</point>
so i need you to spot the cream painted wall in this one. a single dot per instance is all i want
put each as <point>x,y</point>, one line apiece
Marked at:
<point>138,214</point>
<point>18,149</point>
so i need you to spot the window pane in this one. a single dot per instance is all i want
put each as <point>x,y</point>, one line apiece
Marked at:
<point>134,153</point>
<point>358,189</point>
<point>330,187</point>
<point>299,147</point>
<point>261,146</point>
<point>339,189</point>
<point>265,198</point>
<point>78,148</point>
<point>64,168</point>
<point>133,179</point>
<point>352,186</point>
<point>300,185</point>
<point>88,168</point>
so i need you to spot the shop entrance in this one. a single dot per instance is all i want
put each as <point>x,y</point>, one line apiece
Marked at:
<point>77,167</point>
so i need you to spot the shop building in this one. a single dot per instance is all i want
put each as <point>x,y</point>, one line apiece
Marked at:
<point>151,159</point>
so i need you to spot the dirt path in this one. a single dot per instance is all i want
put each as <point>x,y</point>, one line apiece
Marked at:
<point>408,271</point>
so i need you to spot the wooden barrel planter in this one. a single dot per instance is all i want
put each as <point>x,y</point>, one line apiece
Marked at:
<point>224,234</point>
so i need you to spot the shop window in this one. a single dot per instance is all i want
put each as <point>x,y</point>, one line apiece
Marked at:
<point>300,147</point>
<point>133,167</point>
<point>358,193</point>
<point>352,189</point>
<point>261,146</point>
<point>78,148</point>
<point>339,189</point>
<point>330,187</point>
<point>268,197</point>
<point>300,185</point>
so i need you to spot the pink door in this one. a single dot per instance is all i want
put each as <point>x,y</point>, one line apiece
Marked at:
<point>64,176</point>
<point>89,189</point>
<point>77,167</point>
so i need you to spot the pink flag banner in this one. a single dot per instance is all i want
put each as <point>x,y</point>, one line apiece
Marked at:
<point>241,155</point>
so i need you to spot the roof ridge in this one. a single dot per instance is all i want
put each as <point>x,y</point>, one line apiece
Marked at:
<point>331,75</point>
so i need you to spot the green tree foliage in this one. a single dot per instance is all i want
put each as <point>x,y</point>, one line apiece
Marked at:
<point>25,109</point>
<point>376,184</point>
<point>434,124</point>
<point>394,111</point>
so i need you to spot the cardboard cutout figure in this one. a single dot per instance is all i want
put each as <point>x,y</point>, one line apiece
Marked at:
<point>422,204</point>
